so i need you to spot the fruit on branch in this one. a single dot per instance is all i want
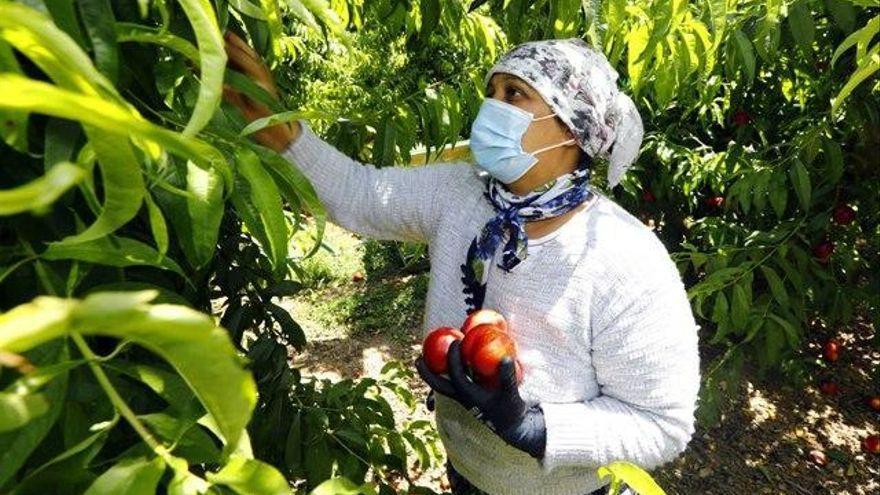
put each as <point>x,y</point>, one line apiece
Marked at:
<point>741,118</point>
<point>648,196</point>
<point>436,346</point>
<point>831,350</point>
<point>874,402</point>
<point>481,317</point>
<point>829,388</point>
<point>843,214</point>
<point>714,201</point>
<point>871,444</point>
<point>823,250</point>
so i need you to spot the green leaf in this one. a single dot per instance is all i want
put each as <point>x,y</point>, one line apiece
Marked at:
<point>746,54</point>
<point>342,486</point>
<point>777,287</point>
<point>16,410</point>
<point>296,187</point>
<point>212,62</point>
<point>128,32</point>
<point>40,193</point>
<point>843,13</point>
<point>157,224</point>
<point>791,333</point>
<point>860,39</point>
<point>196,218</point>
<point>260,202</point>
<point>36,36</point>
<point>779,195</point>
<point>123,184</point>
<point>273,20</point>
<point>131,477</point>
<point>97,17</point>
<point>24,94</point>
<point>800,21</point>
<point>111,251</point>
<point>739,306</point>
<point>565,17</point>
<point>20,443</point>
<point>201,352</point>
<point>248,9</point>
<point>637,478</point>
<point>250,477</point>
<point>13,124</point>
<point>800,178</point>
<point>864,71</point>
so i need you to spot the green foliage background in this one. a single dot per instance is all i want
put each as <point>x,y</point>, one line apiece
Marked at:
<point>132,199</point>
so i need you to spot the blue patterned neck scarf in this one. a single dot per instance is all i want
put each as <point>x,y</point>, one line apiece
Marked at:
<point>555,198</point>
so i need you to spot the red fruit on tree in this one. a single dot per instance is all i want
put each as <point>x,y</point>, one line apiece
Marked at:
<point>843,214</point>
<point>831,350</point>
<point>481,317</point>
<point>714,201</point>
<point>436,346</point>
<point>741,118</point>
<point>871,444</point>
<point>648,196</point>
<point>829,388</point>
<point>874,402</point>
<point>823,250</point>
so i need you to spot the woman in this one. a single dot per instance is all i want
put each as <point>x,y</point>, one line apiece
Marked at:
<point>605,333</point>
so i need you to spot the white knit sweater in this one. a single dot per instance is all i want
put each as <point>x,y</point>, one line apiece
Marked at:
<point>605,332</point>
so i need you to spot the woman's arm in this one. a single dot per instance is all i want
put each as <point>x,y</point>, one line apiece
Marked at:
<point>644,351</point>
<point>391,203</point>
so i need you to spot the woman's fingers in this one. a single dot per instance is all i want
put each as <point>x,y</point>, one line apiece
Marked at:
<point>240,44</point>
<point>434,381</point>
<point>458,375</point>
<point>255,69</point>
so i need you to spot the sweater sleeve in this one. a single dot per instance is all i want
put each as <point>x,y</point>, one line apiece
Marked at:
<point>389,203</point>
<point>645,354</point>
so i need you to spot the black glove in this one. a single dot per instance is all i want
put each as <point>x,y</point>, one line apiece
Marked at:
<point>519,424</point>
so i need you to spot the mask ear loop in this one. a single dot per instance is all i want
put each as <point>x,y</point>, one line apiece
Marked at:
<point>551,146</point>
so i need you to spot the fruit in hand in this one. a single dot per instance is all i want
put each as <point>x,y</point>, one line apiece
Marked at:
<point>874,402</point>
<point>481,317</point>
<point>436,346</point>
<point>871,444</point>
<point>474,336</point>
<point>831,350</point>
<point>843,214</point>
<point>486,350</point>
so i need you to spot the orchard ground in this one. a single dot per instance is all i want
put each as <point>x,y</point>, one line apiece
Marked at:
<point>360,312</point>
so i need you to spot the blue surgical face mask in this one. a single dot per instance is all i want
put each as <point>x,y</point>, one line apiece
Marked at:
<point>496,140</point>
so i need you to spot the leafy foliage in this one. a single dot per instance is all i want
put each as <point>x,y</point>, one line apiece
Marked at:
<point>123,177</point>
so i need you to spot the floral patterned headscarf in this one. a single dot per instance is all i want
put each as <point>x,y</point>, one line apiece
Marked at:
<point>578,83</point>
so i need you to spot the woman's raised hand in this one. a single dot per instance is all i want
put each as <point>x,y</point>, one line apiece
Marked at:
<point>243,58</point>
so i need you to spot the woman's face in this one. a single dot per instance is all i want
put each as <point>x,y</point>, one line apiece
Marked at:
<point>551,163</point>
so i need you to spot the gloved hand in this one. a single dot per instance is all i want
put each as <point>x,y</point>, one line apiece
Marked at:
<point>503,410</point>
